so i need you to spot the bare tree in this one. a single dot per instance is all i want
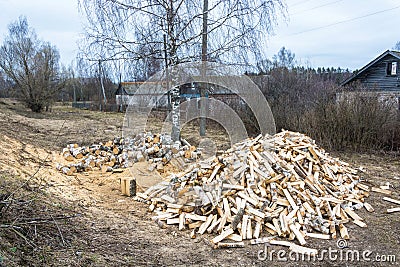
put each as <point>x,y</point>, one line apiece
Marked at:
<point>284,59</point>
<point>133,29</point>
<point>237,30</point>
<point>32,65</point>
<point>397,46</point>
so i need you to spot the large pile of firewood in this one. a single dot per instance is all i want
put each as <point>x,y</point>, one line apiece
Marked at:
<point>158,149</point>
<point>282,185</point>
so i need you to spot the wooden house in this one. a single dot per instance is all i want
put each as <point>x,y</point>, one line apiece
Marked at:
<point>380,77</point>
<point>128,94</point>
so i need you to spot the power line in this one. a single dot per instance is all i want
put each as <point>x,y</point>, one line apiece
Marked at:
<point>344,21</point>
<point>316,7</point>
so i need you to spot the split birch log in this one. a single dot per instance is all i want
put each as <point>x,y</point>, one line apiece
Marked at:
<point>343,231</point>
<point>119,153</point>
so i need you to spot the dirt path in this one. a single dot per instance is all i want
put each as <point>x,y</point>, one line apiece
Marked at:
<point>112,230</point>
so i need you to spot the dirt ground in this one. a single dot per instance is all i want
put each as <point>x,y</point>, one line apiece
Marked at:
<point>55,220</point>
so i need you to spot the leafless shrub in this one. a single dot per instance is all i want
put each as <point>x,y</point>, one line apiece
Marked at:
<point>359,121</point>
<point>32,65</point>
<point>305,100</point>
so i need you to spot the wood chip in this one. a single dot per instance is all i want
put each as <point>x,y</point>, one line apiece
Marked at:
<point>352,214</point>
<point>379,190</point>
<point>343,232</point>
<point>360,223</point>
<point>393,210</point>
<point>368,207</point>
<point>230,245</point>
<point>303,250</point>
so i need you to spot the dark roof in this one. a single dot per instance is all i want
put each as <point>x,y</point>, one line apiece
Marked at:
<point>395,54</point>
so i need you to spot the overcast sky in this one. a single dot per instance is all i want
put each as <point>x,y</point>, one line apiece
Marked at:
<point>322,33</point>
<point>56,21</point>
<point>360,30</point>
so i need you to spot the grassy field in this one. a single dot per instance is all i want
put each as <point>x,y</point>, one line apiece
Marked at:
<point>50,219</point>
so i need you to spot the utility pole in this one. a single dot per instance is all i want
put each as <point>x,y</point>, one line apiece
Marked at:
<point>122,97</point>
<point>102,84</point>
<point>204,87</point>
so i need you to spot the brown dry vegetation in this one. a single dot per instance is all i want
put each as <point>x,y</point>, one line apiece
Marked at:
<point>57,220</point>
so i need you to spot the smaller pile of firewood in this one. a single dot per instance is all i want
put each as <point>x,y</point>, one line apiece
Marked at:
<point>273,186</point>
<point>157,149</point>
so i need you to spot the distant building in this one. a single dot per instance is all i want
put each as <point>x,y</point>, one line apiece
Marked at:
<point>127,93</point>
<point>380,77</point>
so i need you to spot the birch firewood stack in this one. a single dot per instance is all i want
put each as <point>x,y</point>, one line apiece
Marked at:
<point>273,186</point>
<point>158,149</point>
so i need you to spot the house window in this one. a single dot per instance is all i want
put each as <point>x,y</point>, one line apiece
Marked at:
<point>391,68</point>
